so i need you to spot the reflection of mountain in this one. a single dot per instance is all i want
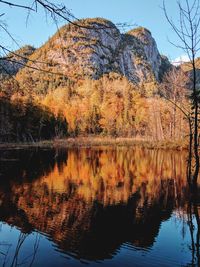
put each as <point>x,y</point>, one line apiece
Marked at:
<point>109,227</point>
<point>96,200</point>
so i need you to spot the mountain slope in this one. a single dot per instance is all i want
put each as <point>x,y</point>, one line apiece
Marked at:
<point>14,61</point>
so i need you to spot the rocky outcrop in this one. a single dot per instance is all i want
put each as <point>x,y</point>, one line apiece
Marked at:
<point>15,61</point>
<point>150,48</point>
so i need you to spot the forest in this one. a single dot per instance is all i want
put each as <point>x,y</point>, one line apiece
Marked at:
<point>109,106</point>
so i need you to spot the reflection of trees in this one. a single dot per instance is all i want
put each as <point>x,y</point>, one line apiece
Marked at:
<point>97,199</point>
<point>112,175</point>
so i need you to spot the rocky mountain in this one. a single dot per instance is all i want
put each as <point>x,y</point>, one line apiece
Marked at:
<point>94,49</point>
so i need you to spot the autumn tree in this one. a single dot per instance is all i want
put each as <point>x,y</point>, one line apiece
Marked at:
<point>174,88</point>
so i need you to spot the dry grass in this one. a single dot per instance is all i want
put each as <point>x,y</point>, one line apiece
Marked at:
<point>97,141</point>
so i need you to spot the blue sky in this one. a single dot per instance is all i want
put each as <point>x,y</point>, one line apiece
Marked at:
<point>147,13</point>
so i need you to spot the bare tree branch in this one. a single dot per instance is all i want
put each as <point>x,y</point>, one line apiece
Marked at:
<point>15,5</point>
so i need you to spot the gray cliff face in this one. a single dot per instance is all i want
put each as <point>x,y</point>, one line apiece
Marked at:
<point>99,48</point>
<point>133,62</point>
<point>150,48</point>
<point>87,51</point>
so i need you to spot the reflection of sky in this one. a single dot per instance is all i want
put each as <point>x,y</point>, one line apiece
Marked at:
<point>169,249</point>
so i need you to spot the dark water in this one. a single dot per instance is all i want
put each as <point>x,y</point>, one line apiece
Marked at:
<point>92,207</point>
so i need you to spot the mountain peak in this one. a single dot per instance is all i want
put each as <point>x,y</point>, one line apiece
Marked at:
<point>139,31</point>
<point>95,21</point>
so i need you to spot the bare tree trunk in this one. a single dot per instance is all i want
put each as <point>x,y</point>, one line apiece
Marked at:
<point>196,134</point>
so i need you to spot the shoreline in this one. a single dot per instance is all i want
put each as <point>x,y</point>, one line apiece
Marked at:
<point>95,142</point>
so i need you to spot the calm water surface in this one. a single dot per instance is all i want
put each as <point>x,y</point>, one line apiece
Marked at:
<point>96,207</point>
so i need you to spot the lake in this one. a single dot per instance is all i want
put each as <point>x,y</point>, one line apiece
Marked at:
<point>99,206</point>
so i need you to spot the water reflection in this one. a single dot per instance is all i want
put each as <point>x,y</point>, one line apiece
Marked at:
<point>94,204</point>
